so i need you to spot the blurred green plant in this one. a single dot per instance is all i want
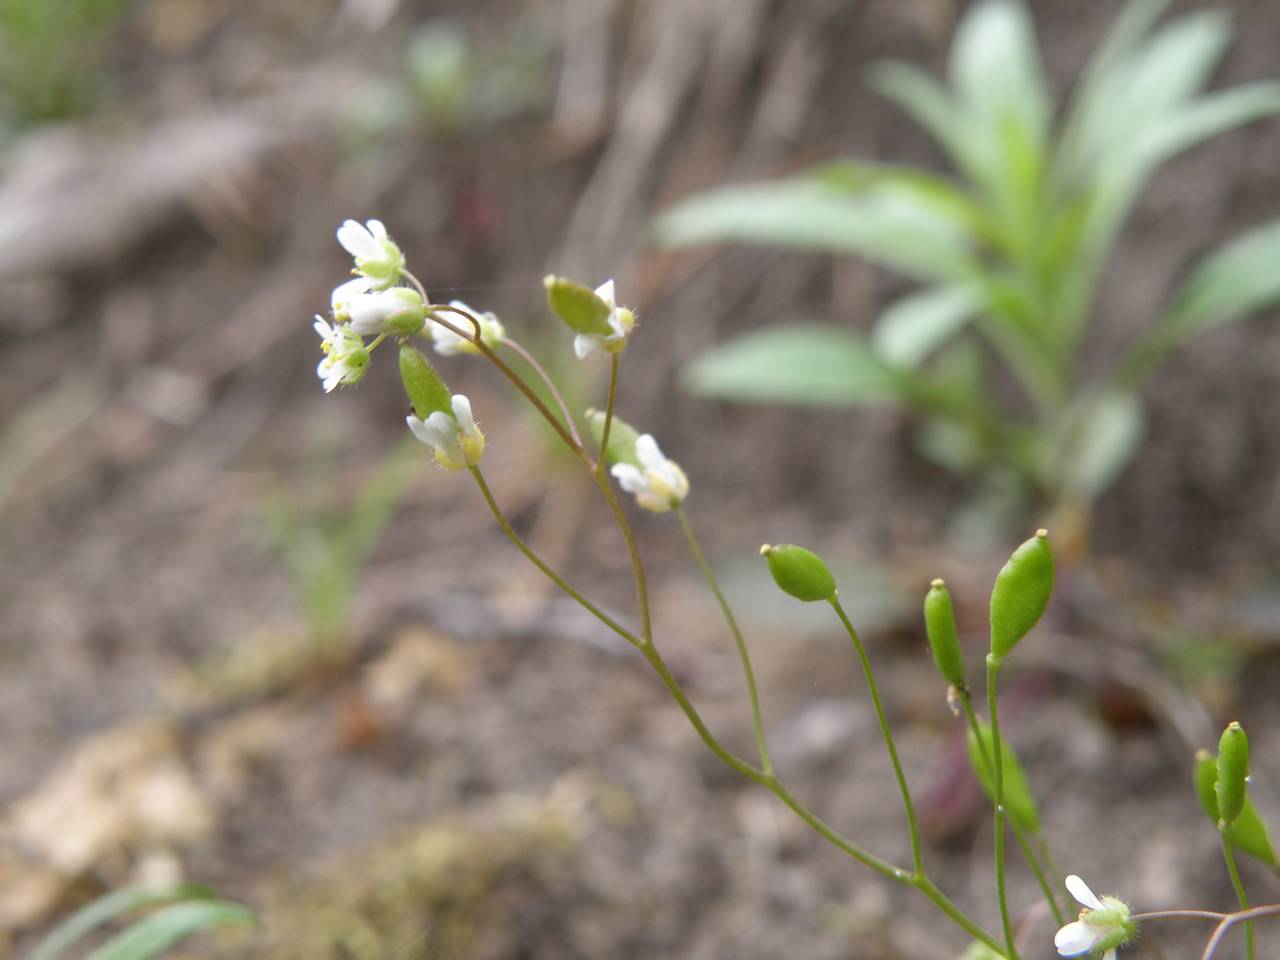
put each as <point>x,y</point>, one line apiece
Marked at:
<point>174,913</point>
<point>1010,253</point>
<point>325,546</point>
<point>51,55</point>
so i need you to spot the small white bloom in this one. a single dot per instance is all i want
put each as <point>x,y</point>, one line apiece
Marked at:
<point>345,357</point>
<point>658,483</point>
<point>376,254</point>
<point>342,296</point>
<point>621,321</point>
<point>397,310</point>
<point>1103,924</point>
<point>447,343</point>
<point>456,440</point>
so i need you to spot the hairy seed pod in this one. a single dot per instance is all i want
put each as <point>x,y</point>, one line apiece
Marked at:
<point>622,438</point>
<point>422,382</point>
<point>1021,592</point>
<point>1233,767</point>
<point>799,572</point>
<point>940,625</point>
<point>581,308</point>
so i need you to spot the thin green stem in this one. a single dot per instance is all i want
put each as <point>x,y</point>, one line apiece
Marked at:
<point>912,826</point>
<point>546,569</point>
<point>608,415</point>
<point>744,655</point>
<point>528,358</point>
<point>993,670</point>
<point>1228,854</point>
<point>1230,920</point>
<point>1024,842</point>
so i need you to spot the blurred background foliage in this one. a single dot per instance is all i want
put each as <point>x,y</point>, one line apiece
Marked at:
<point>310,674</point>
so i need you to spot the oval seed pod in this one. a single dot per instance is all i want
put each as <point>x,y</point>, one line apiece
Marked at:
<point>422,382</point>
<point>1021,592</point>
<point>799,572</point>
<point>940,625</point>
<point>622,438</point>
<point>1249,833</point>
<point>1019,801</point>
<point>1233,767</point>
<point>580,307</point>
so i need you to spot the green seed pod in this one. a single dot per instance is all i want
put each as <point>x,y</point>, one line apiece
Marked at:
<point>1249,833</point>
<point>426,389</point>
<point>622,438</point>
<point>1233,767</point>
<point>1021,593</point>
<point>799,572</point>
<point>940,624</point>
<point>1019,802</point>
<point>578,306</point>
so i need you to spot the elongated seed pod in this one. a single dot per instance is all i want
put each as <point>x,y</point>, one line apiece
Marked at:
<point>1233,767</point>
<point>940,625</point>
<point>622,438</point>
<point>422,382</point>
<point>581,308</point>
<point>799,572</point>
<point>1248,833</point>
<point>1021,592</point>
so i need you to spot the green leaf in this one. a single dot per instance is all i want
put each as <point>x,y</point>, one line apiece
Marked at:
<point>811,365</point>
<point>1238,280</point>
<point>1018,799</point>
<point>1206,118</point>
<point>883,224</point>
<point>913,327</point>
<point>148,937</point>
<point>1101,439</point>
<point>921,97</point>
<point>107,908</point>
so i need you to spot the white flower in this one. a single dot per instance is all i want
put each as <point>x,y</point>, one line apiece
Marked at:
<point>376,254</point>
<point>658,483</point>
<point>621,320</point>
<point>342,296</point>
<point>456,440</point>
<point>397,310</point>
<point>1103,924</point>
<point>448,343</point>
<point>345,357</point>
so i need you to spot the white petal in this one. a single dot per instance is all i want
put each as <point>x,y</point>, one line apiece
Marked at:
<point>420,430</point>
<point>605,292</point>
<point>629,478</point>
<point>648,453</point>
<point>1075,939</point>
<point>356,240</point>
<point>444,429</point>
<point>332,378</point>
<point>1080,890</point>
<point>462,413</point>
<point>1110,954</point>
<point>322,327</point>
<point>344,293</point>
<point>376,229</point>
<point>584,343</point>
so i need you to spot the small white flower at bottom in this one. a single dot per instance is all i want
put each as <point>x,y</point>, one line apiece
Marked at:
<point>1103,924</point>
<point>658,483</point>
<point>447,343</point>
<point>455,440</point>
<point>621,321</point>
<point>345,357</point>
